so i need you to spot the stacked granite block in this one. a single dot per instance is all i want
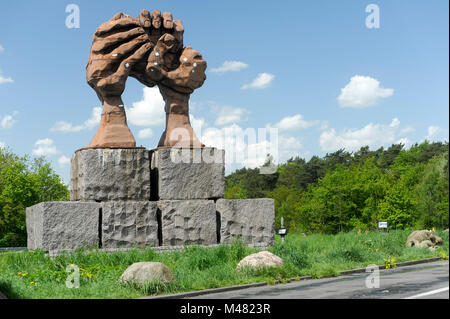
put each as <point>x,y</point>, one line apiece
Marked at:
<point>159,198</point>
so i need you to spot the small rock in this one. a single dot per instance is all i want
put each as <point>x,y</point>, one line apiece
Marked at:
<point>141,272</point>
<point>261,259</point>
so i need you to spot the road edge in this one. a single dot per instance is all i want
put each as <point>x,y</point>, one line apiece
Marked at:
<point>260,284</point>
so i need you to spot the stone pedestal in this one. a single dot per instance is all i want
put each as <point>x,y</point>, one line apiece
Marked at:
<point>113,205</point>
<point>110,174</point>
<point>62,225</point>
<point>188,222</point>
<point>188,173</point>
<point>252,220</point>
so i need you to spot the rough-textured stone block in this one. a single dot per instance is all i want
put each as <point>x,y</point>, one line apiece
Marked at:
<point>187,222</point>
<point>129,223</point>
<point>188,173</point>
<point>110,174</point>
<point>253,220</point>
<point>62,225</point>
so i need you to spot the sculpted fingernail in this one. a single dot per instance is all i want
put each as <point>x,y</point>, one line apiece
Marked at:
<point>156,63</point>
<point>127,65</point>
<point>185,59</point>
<point>157,53</point>
<point>114,54</point>
<point>195,64</point>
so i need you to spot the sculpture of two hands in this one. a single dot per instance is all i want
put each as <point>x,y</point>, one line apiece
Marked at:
<point>150,49</point>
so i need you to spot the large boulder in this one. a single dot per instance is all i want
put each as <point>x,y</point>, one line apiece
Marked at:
<point>142,272</point>
<point>259,260</point>
<point>423,239</point>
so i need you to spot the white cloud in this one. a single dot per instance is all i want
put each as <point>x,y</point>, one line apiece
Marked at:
<point>229,115</point>
<point>63,161</point>
<point>89,124</point>
<point>145,133</point>
<point>5,80</point>
<point>294,123</point>
<point>263,80</point>
<point>230,66</point>
<point>149,111</point>
<point>1,49</point>
<point>288,147</point>
<point>373,135</point>
<point>2,144</point>
<point>362,91</point>
<point>8,121</point>
<point>45,147</point>
<point>435,133</point>
<point>198,124</point>
<point>245,147</point>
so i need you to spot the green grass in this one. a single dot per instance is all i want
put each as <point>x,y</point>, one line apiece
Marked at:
<point>201,268</point>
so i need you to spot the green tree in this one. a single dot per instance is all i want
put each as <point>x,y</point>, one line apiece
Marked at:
<point>432,193</point>
<point>24,183</point>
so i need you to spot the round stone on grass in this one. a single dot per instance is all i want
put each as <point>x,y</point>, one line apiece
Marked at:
<point>259,260</point>
<point>142,272</point>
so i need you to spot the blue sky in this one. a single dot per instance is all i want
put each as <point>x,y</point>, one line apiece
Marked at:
<point>312,69</point>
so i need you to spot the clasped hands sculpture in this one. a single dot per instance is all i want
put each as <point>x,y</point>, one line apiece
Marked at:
<point>150,49</point>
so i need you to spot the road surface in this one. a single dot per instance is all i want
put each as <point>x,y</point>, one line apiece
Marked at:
<point>422,281</point>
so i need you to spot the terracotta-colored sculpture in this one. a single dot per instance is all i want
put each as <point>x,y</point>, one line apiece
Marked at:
<point>150,49</point>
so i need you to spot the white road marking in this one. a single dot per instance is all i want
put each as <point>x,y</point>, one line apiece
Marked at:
<point>432,292</point>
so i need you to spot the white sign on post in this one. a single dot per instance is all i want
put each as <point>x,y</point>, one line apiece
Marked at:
<point>382,224</point>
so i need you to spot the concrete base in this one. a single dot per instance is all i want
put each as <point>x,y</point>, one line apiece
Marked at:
<point>110,174</point>
<point>252,220</point>
<point>182,173</point>
<point>62,225</point>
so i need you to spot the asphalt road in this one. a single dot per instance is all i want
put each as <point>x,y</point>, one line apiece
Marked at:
<point>418,282</point>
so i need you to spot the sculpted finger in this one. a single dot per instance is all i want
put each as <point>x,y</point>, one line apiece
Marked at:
<point>129,47</point>
<point>122,23</point>
<point>102,44</point>
<point>138,55</point>
<point>117,16</point>
<point>156,19</point>
<point>156,59</point>
<point>145,20</point>
<point>178,31</point>
<point>168,20</point>
<point>126,65</point>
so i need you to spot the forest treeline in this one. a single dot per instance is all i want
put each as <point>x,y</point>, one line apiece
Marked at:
<point>343,191</point>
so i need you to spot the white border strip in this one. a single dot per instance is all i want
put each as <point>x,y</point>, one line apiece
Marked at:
<point>432,292</point>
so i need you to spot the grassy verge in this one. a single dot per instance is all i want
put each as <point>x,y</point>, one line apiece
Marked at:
<point>33,275</point>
